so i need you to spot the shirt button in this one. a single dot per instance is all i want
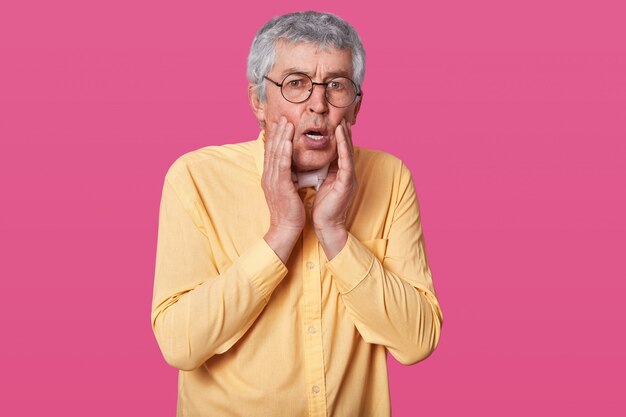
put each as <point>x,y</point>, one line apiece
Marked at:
<point>310,265</point>
<point>316,389</point>
<point>311,329</point>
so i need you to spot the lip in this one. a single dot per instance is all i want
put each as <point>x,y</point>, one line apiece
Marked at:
<point>315,143</point>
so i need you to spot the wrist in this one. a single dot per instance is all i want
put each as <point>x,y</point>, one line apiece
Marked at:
<point>332,240</point>
<point>282,240</point>
<point>285,232</point>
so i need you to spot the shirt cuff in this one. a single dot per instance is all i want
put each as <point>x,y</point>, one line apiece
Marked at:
<point>263,267</point>
<point>351,265</point>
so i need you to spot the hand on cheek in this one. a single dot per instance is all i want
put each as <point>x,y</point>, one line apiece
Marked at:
<point>287,215</point>
<point>334,197</point>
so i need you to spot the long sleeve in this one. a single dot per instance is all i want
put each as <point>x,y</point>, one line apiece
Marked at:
<point>196,311</point>
<point>391,300</point>
<point>315,339</point>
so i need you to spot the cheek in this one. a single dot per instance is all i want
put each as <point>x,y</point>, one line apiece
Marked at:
<point>277,106</point>
<point>340,115</point>
<point>292,116</point>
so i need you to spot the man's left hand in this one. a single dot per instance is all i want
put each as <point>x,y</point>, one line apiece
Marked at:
<point>334,197</point>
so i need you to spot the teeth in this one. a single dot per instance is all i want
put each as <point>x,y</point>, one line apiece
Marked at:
<point>316,137</point>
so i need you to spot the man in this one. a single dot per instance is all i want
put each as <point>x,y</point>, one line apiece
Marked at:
<point>280,283</point>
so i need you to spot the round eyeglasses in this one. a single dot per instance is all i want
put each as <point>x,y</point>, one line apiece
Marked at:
<point>298,87</point>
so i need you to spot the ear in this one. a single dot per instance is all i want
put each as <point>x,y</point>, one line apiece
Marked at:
<point>357,107</point>
<point>258,107</point>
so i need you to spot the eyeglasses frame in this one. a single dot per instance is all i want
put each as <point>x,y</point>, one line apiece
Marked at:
<point>313,84</point>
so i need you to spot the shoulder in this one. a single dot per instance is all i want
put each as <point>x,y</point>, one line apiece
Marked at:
<point>211,158</point>
<point>201,171</point>
<point>384,183</point>
<point>375,164</point>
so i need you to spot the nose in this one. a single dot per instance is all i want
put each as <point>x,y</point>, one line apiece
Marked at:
<point>317,102</point>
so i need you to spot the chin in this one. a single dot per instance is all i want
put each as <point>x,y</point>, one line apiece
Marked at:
<point>311,164</point>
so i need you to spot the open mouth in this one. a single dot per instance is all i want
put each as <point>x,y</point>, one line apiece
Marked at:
<point>315,134</point>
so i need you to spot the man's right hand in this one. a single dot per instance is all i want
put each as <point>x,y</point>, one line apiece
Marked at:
<point>287,214</point>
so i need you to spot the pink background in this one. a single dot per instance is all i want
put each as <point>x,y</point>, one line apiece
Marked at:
<point>511,117</point>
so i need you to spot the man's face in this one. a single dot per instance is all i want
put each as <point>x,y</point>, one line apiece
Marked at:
<point>315,114</point>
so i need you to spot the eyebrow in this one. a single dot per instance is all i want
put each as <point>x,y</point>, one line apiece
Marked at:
<point>332,74</point>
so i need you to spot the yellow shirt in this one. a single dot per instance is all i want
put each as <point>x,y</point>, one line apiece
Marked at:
<point>255,337</point>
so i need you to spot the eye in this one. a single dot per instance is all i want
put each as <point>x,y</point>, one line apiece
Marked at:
<point>335,85</point>
<point>295,83</point>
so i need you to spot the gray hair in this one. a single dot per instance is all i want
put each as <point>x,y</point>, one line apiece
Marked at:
<point>323,29</point>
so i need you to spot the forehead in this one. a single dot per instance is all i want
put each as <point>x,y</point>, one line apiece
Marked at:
<point>311,59</point>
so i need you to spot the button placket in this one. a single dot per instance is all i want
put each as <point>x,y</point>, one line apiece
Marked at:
<point>313,343</point>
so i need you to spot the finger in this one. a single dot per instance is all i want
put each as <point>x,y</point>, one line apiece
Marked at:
<point>284,160</point>
<point>282,169</point>
<point>267,146</point>
<point>271,129</point>
<point>348,132</point>
<point>278,135</point>
<point>344,161</point>
<point>351,149</point>
<point>342,145</point>
<point>350,138</point>
<point>276,146</point>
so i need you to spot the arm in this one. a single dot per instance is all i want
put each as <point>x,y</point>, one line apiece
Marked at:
<point>391,300</point>
<point>197,312</point>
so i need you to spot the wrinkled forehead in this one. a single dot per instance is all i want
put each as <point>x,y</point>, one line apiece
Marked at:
<point>310,58</point>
